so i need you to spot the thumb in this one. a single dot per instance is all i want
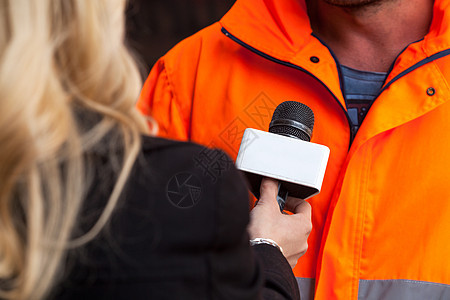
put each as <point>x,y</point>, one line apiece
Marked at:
<point>268,192</point>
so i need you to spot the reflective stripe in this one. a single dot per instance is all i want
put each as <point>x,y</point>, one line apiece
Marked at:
<point>306,287</point>
<point>402,289</point>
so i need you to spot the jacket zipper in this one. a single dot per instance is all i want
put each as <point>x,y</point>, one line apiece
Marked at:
<point>342,85</point>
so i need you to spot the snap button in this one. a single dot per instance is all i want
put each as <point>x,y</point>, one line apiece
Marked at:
<point>314,59</point>
<point>431,91</point>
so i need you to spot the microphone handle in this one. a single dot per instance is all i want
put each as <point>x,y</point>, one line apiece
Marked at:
<point>282,196</point>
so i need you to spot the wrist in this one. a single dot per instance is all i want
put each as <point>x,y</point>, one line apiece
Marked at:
<point>258,241</point>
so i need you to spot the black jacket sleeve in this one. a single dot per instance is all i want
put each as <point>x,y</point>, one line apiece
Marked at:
<point>279,281</point>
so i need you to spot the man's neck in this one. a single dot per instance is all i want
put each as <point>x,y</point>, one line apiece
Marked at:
<point>370,38</point>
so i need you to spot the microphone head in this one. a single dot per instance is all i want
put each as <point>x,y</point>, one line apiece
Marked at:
<point>293,119</point>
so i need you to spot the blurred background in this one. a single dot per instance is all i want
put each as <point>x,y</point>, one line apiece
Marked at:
<point>155,26</point>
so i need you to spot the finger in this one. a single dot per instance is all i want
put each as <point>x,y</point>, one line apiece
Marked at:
<point>268,190</point>
<point>298,206</point>
<point>293,204</point>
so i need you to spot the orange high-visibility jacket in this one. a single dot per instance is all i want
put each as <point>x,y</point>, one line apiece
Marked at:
<point>382,220</point>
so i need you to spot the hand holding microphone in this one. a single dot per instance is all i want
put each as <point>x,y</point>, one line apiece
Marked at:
<point>279,163</point>
<point>290,232</point>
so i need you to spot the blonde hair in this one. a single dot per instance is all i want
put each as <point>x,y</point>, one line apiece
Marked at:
<point>57,57</point>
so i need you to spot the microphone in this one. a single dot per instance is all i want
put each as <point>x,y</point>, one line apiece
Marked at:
<point>285,154</point>
<point>293,119</point>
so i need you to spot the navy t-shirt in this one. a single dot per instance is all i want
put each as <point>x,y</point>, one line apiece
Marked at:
<point>360,90</point>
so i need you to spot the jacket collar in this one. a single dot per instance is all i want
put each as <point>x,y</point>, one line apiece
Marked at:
<point>281,29</point>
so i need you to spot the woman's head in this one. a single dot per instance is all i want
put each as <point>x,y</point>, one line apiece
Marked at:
<point>58,59</point>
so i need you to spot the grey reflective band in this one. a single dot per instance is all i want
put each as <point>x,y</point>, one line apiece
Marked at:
<point>291,123</point>
<point>393,289</point>
<point>402,290</point>
<point>306,287</point>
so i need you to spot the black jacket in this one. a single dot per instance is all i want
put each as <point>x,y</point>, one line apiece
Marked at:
<point>178,232</point>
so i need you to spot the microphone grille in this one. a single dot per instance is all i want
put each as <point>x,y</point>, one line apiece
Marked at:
<point>293,111</point>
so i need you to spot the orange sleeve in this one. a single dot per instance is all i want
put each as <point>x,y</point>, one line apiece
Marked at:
<point>158,100</point>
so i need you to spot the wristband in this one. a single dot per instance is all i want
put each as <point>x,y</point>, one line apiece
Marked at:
<point>259,241</point>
